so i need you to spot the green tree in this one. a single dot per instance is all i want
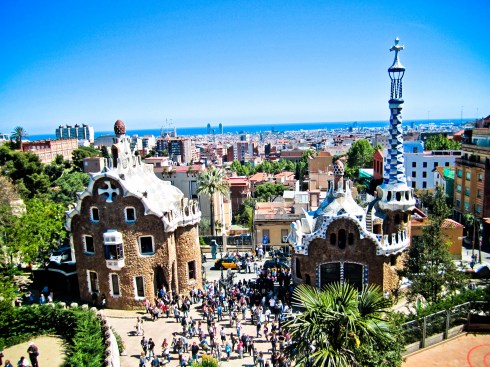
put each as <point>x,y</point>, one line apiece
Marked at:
<point>83,152</point>
<point>429,265</point>
<point>339,326</point>
<point>104,152</point>
<point>38,231</point>
<point>67,186</point>
<point>211,182</point>
<point>440,142</point>
<point>26,171</point>
<point>360,155</point>
<point>245,215</point>
<point>18,134</point>
<point>269,191</point>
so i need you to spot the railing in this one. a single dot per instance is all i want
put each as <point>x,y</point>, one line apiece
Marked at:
<point>239,241</point>
<point>442,325</point>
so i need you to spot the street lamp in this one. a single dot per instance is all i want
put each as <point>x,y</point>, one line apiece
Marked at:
<point>220,248</point>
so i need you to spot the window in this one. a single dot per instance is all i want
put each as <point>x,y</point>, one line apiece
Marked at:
<point>414,174</point>
<point>424,174</point>
<point>424,164</point>
<point>265,236</point>
<point>114,281</point>
<point>478,209</point>
<point>467,191</point>
<point>413,185</point>
<point>191,268</point>
<point>458,188</point>
<point>93,282</point>
<point>424,184</point>
<point>284,236</point>
<point>146,245</point>
<point>113,245</point>
<point>480,177</point>
<point>436,164</point>
<point>460,173</point>
<point>446,164</point>
<point>130,214</point>
<point>139,287</point>
<point>467,206</point>
<point>458,203</point>
<point>468,176</point>
<point>342,238</point>
<point>94,214</point>
<point>478,194</point>
<point>414,164</point>
<point>88,244</point>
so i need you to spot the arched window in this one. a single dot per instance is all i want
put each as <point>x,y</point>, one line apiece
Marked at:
<point>388,197</point>
<point>397,218</point>
<point>398,196</point>
<point>342,238</point>
<point>333,239</point>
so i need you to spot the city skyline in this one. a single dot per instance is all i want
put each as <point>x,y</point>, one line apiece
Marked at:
<point>240,62</point>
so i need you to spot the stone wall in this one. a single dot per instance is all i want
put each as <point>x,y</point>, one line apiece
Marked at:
<point>361,251</point>
<point>112,216</point>
<point>188,250</point>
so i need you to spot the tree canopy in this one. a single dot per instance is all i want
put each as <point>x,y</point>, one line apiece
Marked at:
<point>18,134</point>
<point>211,182</point>
<point>429,266</point>
<point>269,191</point>
<point>339,327</point>
<point>83,152</point>
<point>440,142</point>
<point>360,155</point>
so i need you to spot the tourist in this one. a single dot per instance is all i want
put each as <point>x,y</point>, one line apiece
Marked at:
<point>194,351</point>
<point>155,362</point>
<point>151,348</point>
<point>33,354</point>
<point>22,362</point>
<point>8,364</point>
<point>144,345</point>
<point>142,360</point>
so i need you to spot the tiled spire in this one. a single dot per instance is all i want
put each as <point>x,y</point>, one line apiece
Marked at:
<point>395,163</point>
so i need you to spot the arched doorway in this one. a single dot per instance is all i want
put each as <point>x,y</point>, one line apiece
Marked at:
<point>159,279</point>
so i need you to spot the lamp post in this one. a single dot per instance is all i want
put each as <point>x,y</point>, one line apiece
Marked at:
<point>220,248</point>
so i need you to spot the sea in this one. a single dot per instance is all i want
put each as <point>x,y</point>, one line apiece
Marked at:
<point>262,128</point>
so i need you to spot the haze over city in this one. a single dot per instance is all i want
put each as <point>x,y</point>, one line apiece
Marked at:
<point>237,62</point>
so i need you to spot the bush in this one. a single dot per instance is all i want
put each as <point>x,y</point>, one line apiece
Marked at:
<point>206,361</point>
<point>80,329</point>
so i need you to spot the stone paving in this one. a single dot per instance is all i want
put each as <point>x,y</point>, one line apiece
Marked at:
<point>124,323</point>
<point>467,350</point>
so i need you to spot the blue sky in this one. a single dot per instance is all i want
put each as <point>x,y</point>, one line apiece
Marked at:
<point>237,62</point>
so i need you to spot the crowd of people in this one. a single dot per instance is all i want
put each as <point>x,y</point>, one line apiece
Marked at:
<point>218,327</point>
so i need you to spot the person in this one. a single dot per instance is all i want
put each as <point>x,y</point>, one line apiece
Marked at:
<point>8,363</point>
<point>151,347</point>
<point>194,351</point>
<point>103,301</point>
<point>33,354</point>
<point>142,360</point>
<point>155,362</point>
<point>22,362</point>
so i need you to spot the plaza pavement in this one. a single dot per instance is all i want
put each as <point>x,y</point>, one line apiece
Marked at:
<point>124,323</point>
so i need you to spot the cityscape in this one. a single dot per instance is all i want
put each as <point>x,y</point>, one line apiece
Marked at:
<point>246,237</point>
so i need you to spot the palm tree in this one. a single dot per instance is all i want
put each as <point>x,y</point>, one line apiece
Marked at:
<point>18,134</point>
<point>338,325</point>
<point>212,182</point>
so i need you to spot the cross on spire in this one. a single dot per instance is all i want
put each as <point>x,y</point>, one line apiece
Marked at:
<point>397,48</point>
<point>110,191</point>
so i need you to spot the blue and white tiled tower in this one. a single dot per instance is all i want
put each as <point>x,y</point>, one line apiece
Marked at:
<point>395,199</point>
